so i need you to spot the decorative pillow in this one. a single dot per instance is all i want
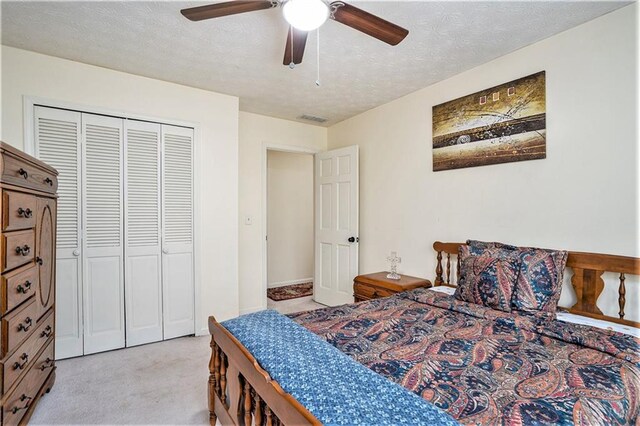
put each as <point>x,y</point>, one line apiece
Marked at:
<point>540,279</point>
<point>487,278</point>
<point>477,247</point>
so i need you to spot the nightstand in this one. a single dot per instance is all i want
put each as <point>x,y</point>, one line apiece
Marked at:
<point>374,286</point>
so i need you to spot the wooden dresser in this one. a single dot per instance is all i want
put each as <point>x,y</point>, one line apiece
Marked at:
<point>374,286</point>
<point>27,260</point>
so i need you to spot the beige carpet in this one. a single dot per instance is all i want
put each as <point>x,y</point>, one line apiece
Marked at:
<point>157,384</point>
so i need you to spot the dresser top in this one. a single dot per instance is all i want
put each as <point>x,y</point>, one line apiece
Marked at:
<point>15,152</point>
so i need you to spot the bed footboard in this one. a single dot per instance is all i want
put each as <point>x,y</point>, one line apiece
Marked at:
<point>241,392</point>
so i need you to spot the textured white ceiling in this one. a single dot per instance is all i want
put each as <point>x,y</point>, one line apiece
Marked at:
<point>242,55</point>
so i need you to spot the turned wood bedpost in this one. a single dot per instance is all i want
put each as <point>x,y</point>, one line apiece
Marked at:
<point>622,291</point>
<point>448,268</point>
<point>439,279</point>
<point>212,382</point>
<point>223,379</point>
<point>269,418</point>
<point>247,403</point>
<point>257,415</point>
<point>216,368</point>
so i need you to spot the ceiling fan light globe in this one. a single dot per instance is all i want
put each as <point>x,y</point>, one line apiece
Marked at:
<point>305,15</point>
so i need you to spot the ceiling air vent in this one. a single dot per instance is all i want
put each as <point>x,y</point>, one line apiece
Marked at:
<point>312,118</point>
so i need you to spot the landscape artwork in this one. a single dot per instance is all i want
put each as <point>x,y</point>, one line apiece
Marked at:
<point>502,124</point>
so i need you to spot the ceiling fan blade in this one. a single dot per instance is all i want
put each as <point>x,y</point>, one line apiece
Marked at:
<point>367,23</point>
<point>227,8</point>
<point>297,46</point>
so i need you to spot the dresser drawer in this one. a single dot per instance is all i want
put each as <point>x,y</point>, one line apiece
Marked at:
<point>363,291</point>
<point>22,173</point>
<point>19,210</point>
<point>25,355</point>
<point>18,286</point>
<point>18,325</point>
<point>18,402</point>
<point>19,248</point>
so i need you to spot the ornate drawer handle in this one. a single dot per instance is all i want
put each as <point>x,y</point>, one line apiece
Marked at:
<point>22,327</point>
<point>46,332</point>
<point>27,213</point>
<point>39,260</point>
<point>23,173</point>
<point>24,397</point>
<point>24,288</point>
<point>24,250</point>
<point>49,181</point>
<point>19,366</point>
<point>48,363</point>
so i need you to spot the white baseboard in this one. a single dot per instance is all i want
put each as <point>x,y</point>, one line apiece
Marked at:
<point>290,282</point>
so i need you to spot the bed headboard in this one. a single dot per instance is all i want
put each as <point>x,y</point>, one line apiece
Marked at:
<point>587,282</point>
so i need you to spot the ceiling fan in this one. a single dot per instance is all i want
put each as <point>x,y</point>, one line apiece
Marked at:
<point>304,16</point>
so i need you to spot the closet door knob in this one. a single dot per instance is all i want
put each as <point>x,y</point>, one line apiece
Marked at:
<point>165,251</point>
<point>76,252</point>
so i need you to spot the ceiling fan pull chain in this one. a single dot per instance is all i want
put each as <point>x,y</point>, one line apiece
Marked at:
<point>318,57</point>
<point>292,64</point>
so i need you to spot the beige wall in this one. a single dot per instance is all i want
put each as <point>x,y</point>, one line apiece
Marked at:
<point>257,132</point>
<point>30,74</point>
<point>582,197</point>
<point>289,218</point>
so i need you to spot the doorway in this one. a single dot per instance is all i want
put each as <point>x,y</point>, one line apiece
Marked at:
<point>289,230</point>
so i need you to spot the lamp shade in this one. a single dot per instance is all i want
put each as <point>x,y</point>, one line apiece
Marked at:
<point>305,15</point>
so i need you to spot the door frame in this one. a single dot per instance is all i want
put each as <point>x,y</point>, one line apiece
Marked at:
<point>28,104</point>
<point>266,147</point>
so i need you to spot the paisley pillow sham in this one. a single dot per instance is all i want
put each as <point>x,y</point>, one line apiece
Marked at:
<point>541,271</point>
<point>487,278</point>
<point>540,279</point>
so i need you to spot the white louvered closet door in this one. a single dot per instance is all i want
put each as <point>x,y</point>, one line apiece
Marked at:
<point>103,283</point>
<point>143,272</point>
<point>177,235</point>
<point>58,143</point>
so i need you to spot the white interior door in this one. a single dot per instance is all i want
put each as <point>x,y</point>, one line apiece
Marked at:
<point>103,283</point>
<point>58,143</point>
<point>177,231</point>
<point>143,272</point>
<point>336,225</point>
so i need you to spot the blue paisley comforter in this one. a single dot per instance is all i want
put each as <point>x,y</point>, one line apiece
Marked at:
<point>489,367</point>
<point>333,387</point>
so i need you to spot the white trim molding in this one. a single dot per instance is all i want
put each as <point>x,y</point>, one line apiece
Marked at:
<point>269,146</point>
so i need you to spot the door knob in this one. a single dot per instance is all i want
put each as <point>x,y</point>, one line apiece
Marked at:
<point>353,239</point>
<point>165,251</point>
<point>76,252</point>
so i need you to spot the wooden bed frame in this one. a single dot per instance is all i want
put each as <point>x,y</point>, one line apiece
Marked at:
<point>242,393</point>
